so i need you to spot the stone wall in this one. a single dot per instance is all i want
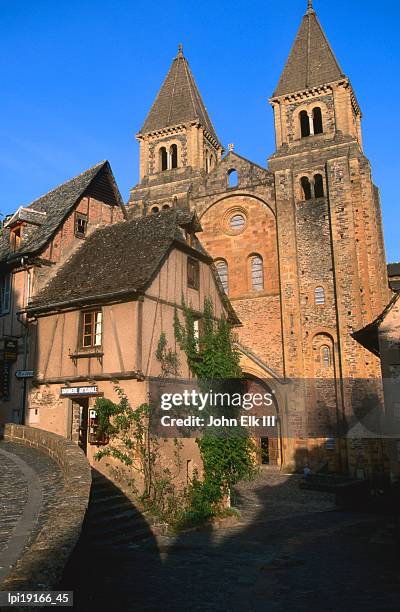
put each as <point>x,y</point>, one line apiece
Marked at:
<point>42,564</point>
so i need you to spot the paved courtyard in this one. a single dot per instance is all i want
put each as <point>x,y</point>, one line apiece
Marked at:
<point>291,550</point>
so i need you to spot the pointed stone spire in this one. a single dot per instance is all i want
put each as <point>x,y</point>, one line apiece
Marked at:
<point>311,61</point>
<point>178,101</point>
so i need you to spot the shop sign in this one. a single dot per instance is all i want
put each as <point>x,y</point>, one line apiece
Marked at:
<point>79,391</point>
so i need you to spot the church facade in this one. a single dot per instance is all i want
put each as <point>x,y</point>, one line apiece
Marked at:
<point>298,245</point>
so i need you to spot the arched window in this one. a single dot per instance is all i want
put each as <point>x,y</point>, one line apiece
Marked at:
<point>326,356</point>
<point>306,186</point>
<point>163,159</point>
<point>207,162</point>
<point>257,273</point>
<point>317,120</point>
<point>232,178</point>
<point>319,295</point>
<point>222,269</point>
<point>155,210</point>
<point>304,124</point>
<point>318,186</point>
<point>173,153</point>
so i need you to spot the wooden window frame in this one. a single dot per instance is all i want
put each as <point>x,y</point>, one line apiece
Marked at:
<point>5,290</point>
<point>84,327</point>
<point>193,279</point>
<point>16,237</point>
<point>80,217</point>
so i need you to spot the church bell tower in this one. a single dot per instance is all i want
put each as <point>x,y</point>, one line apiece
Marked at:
<point>332,259</point>
<point>178,142</point>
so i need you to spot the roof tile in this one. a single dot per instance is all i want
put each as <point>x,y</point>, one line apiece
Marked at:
<point>311,61</point>
<point>178,101</point>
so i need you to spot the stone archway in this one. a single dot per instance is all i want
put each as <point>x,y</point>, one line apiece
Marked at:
<point>268,439</point>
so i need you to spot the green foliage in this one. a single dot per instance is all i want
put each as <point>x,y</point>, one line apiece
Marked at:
<point>128,433</point>
<point>167,358</point>
<point>226,460</point>
<point>212,354</point>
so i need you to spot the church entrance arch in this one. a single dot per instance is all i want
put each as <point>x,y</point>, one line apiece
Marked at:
<point>268,440</point>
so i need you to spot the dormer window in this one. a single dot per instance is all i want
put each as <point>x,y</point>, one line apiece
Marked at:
<point>193,273</point>
<point>80,225</point>
<point>15,238</point>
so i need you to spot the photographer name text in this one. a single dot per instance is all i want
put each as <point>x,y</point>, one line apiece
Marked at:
<point>246,420</point>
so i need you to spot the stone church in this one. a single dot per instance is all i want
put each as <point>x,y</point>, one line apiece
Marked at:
<point>297,246</point>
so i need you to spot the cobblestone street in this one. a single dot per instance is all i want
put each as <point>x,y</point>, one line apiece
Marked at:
<point>29,482</point>
<point>291,550</point>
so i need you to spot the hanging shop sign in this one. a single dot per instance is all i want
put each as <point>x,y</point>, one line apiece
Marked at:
<point>79,391</point>
<point>10,350</point>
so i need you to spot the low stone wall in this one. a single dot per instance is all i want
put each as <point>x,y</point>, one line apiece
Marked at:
<point>41,566</point>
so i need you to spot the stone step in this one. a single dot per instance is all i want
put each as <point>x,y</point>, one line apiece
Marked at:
<point>112,517</point>
<point>102,497</point>
<point>140,535</point>
<point>107,531</point>
<point>108,506</point>
<point>103,486</point>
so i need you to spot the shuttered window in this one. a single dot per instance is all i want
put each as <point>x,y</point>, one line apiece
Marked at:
<point>5,293</point>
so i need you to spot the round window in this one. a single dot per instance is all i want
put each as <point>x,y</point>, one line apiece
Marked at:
<point>237,222</point>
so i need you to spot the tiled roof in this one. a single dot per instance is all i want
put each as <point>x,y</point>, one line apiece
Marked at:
<point>121,258</point>
<point>393,269</point>
<point>178,101</point>
<point>311,61</point>
<point>57,204</point>
<point>368,335</point>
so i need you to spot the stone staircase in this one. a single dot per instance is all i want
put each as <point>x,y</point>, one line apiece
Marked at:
<point>112,518</point>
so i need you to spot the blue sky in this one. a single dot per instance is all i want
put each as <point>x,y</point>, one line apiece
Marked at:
<point>78,77</point>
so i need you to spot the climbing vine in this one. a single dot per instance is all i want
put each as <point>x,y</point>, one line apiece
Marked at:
<point>212,357</point>
<point>226,460</point>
